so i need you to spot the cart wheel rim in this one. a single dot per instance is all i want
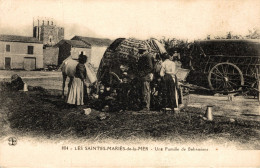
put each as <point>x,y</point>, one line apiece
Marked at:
<point>225,77</point>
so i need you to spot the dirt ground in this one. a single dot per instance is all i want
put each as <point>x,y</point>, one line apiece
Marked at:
<point>241,107</point>
<point>45,79</point>
<point>26,114</point>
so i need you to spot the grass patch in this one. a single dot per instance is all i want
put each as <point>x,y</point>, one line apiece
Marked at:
<point>44,114</point>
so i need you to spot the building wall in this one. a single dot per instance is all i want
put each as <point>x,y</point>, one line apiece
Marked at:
<point>97,54</point>
<point>18,52</point>
<point>50,56</point>
<point>76,51</point>
<point>65,50</point>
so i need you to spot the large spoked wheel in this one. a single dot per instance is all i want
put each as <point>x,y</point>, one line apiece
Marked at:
<point>225,77</point>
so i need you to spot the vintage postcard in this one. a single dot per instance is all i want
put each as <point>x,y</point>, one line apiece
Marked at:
<point>142,83</point>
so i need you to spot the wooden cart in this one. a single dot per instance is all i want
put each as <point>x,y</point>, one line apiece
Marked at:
<point>226,65</point>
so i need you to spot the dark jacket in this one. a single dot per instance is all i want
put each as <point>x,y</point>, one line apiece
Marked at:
<point>145,64</point>
<point>81,71</point>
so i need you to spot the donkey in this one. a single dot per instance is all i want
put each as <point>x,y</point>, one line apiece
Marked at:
<point>68,69</point>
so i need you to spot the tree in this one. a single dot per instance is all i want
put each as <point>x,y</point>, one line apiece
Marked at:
<point>229,36</point>
<point>253,34</point>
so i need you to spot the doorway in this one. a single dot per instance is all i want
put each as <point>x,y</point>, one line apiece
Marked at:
<point>7,63</point>
<point>29,63</point>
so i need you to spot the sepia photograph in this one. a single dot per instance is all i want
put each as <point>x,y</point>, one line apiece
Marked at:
<point>142,83</point>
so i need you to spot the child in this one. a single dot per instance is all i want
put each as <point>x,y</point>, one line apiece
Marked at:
<point>107,100</point>
<point>123,92</point>
<point>99,104</point>
<point>112,102</point>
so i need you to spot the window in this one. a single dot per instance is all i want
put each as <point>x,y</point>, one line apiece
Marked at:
<point>7,48</point>
<point>51,37</point>
<point>30,49</point>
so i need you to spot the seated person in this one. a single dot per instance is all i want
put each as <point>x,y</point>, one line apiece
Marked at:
<point>100,98</point>
<point>107,98</point>
<point>16,82</point>
<point>135,94</point>
<point>112,101</point>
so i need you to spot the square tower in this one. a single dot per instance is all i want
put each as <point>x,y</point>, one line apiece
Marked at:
<point>47,32</point>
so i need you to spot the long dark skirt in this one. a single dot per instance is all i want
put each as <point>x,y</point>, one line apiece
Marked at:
<point>169,91</point>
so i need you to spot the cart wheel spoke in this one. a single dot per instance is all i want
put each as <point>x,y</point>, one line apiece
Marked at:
<point>224,85</point>
<point>225,77</point>
<point>232,83</point>
<point>217,70</point>
<point>219,87</point>
<point>230,86</point>
<point>217,75</point>
<point>224,72</point>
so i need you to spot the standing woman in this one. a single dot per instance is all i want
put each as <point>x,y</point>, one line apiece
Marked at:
<point>169,90</point>
<point>78,85</point>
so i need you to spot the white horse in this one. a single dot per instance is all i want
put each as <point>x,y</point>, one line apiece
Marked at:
<point>68,69</point>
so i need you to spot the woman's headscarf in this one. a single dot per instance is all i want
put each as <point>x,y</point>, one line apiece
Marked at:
<point>82,59</point>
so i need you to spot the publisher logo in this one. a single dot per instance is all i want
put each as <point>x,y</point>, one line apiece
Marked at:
<point>12,141</point>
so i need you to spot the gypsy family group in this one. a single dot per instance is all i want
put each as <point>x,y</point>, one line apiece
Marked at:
<point>155,86</point>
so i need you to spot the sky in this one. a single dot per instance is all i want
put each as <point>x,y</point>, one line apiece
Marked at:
<point>183,19</point>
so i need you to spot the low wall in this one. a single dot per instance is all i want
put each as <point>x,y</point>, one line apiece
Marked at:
<point>50,56</point>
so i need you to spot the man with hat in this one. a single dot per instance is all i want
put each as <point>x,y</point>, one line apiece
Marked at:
<point>145,67</point>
